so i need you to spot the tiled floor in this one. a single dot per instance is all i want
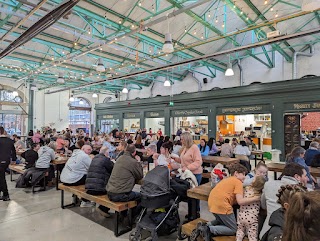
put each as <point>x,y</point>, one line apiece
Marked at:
<point>38,217</point>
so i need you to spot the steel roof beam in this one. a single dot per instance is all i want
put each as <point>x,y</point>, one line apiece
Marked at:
<point>212,28</point>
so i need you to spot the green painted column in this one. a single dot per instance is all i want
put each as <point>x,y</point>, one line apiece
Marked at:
<point>121,121</point>
<point>142,120</point>
<point>30,110</point>
<point>212,123</point>
<point>167,127</point>
<point>277,126</point>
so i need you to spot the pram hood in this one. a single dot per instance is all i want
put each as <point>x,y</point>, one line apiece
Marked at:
<point>156,182</point>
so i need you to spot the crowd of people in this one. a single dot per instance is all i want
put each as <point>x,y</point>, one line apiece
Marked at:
<point>109,169</point>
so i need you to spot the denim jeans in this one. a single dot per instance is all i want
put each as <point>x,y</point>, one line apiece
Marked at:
<point>223,225</point>
<point>199,178</point>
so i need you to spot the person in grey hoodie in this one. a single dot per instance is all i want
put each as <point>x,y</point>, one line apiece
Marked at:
<point>293,173</point>
<point>76,169</point>
<point>46,155</point>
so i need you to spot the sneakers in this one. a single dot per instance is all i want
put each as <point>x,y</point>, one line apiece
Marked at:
<point>104,214</point>
<point>87,204</point>
<point>204,231</point>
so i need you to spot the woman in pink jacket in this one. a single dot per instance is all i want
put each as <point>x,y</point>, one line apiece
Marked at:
<point>190,159</point>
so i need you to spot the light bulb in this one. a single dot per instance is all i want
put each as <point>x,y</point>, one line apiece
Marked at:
<point>94,95</point>
<point>167,83</point>
<point>125,90</point>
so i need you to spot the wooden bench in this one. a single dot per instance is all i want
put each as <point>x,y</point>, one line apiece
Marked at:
<point>20,168</point>
<point>103,200</point>
<point>16,168</point>
<point>187,229</point>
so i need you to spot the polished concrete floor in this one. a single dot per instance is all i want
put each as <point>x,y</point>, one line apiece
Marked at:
<point>38,217</point>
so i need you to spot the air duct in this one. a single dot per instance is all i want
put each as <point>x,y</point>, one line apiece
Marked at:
<point>295,63</point>
<point>241,72</point>
<point>198,81</point>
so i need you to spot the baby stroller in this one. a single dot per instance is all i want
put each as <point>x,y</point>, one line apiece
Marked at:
<point>159,215</point>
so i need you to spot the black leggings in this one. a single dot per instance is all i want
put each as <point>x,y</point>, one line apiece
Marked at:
<point>82,181</point>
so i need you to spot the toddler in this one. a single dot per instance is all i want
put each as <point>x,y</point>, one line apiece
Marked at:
<point>248,214</point>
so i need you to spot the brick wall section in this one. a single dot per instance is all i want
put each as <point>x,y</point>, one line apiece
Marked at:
<point>311,122</point>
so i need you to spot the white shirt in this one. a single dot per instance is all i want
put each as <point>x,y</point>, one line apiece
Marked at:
<point>242,150</point>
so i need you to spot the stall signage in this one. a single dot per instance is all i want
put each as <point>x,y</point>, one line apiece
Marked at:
<point>243,109</point>
<point>131,115</point>
<point>109,116</point>
<point>304,106</point>
<point>154,114</point>
<point>189,112</point>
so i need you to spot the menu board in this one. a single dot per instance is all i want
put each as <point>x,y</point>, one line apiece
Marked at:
<point>291,132</point>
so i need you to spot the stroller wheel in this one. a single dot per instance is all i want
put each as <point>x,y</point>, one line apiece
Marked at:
<point>181,236</point>
<point>133,236</point>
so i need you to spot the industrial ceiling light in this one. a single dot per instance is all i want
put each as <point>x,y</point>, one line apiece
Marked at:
<point>15,93</point>
<point>94,95</point>
<point>167,83</point>
<point>168,46</point>
<point>60,79</point>
<point>71,98</point>
<point>310,5</point>
<point>229,71</point>
<point>100,66</point>
<point>125,90</point>
<point>81,102</point>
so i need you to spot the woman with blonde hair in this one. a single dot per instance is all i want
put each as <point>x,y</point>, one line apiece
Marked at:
<point>190,159</point>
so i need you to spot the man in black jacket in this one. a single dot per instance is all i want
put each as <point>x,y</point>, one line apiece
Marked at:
<point>98,176</point>
<point>8,153</point>
<point>31,155</point>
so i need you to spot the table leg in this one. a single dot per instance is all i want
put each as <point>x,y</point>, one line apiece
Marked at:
<point>255,161</point>
<point>275,176</point>
<point>11,176</point>
<point>193,209</point>
<point>58,178</point>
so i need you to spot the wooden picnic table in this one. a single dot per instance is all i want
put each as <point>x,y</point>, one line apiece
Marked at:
<point>19,168</point>
<point>279,166</point>
<point>219,159</point>
<point>59,162</point>
<point>198,193</point>
<point>256,154</point>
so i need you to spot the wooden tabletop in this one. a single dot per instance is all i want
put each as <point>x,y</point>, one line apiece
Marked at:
<point>257,152</point>
<point>279,166</point>
<point>20,168</point>
<point>201,192</point>
<point>60,160</point>
<point>219,159</point>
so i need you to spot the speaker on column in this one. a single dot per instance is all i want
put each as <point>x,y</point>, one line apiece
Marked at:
<point>205,80</point>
